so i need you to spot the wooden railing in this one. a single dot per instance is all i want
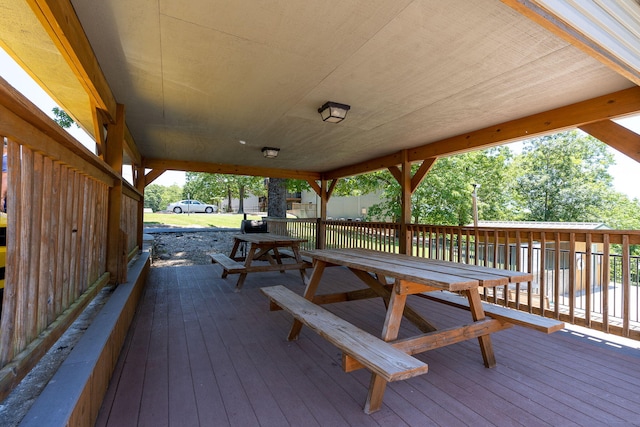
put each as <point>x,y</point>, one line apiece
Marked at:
<point>584,277</point>
<point>57,255</point>
<point>129,219</point>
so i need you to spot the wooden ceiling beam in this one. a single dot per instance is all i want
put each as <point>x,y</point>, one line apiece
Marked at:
<point>131,148</point>
<point>182,165</point>
<point>63,26</point>
<point>617,136</point>
<point>572,116</point>
<point>613,105</point>
<point>532,10</point>
<point>372,165</point>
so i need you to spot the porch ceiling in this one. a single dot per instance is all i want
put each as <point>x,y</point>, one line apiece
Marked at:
<point>197,77</point>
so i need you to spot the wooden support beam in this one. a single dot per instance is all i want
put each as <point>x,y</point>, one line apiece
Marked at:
<point>405,216</point>
<point>315,187</point>
<point>372,165</point>
<point>321,234</point>
<point>417,178</point>
<point>99,124</point>
<point>113,157</point>
<point>572,116</point>
<point>152,175</point>
<point>619,137</point>
<point>131,148</point>
<point>60,21</point>
<point>396,172</point>
<point>139,182</point>
<point>332,187</point>
<point>184,165</point>
<point>613,105</point>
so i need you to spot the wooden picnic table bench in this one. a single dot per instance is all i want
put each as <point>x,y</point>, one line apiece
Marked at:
<point>373,353</point>
<point>409,276</point>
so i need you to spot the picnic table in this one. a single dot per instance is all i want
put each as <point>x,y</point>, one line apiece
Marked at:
<point>394,277</point>
<point>261,246</point>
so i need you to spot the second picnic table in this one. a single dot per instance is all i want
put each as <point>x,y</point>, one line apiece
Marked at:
<point>262,246</point>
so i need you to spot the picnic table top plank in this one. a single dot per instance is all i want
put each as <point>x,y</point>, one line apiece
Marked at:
<point>268,238</point>
<point>409,273</point>
<point>486,275</point>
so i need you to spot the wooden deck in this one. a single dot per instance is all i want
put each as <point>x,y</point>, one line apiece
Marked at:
<point>199,354</point>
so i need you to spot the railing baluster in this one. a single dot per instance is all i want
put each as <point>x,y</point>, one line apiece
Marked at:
<point>572,276</point>
<point>588,280</point>
<point>626,285</point>
<point>606,278</point>
<point>556,277</point>
<point>543,272</point>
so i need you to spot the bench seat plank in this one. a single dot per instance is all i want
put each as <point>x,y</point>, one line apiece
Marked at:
<point>516,317</point>
<point>229,265</point>
<point>376,355</point>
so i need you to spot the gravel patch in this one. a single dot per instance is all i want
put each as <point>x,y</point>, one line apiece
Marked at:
<point>177,248</point>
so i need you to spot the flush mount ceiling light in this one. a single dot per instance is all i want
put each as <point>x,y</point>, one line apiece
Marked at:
<point>270,152</point>
<point>333,112</point>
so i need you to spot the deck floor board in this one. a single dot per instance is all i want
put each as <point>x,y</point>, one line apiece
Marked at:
<point>200,354</point>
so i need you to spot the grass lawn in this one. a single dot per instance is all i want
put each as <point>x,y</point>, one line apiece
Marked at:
<point>195,220</point>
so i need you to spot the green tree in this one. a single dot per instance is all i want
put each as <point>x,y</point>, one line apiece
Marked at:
<point>153,197</point>
<point>157,197</point>
<point>444,196</point>
<point>621,213</point>
<point>62,118</point>
<point>563,177</point>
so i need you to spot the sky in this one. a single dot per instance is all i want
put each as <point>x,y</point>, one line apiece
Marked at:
<point>626,171</point>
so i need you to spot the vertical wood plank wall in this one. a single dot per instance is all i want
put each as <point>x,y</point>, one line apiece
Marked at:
<point>57,218</point>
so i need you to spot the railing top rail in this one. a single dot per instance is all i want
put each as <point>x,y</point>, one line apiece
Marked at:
<point>564,234</point>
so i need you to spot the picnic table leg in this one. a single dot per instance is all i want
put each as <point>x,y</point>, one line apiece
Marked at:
<point>298,258</point>
<point>390,331</point>
<point>278,258</point>
<point>378,286</point>
<point>309,293</point>
<point>477,312</point>
<point>236,245</point>
<point>247,264</point>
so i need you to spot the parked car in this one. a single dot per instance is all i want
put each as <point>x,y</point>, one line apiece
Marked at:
<point>191,206</point>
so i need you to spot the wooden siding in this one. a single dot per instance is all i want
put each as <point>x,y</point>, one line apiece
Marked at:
<point>57,212</point>
<point>200,354</point>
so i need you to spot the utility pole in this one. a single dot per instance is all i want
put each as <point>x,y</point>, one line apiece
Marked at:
<point>474,198</point>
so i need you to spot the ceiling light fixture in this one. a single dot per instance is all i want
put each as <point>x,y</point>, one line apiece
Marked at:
<point>333,112</point>
<point>270,152</point>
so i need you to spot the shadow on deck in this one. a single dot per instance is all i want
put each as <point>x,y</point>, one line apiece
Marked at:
<point>200,354</point>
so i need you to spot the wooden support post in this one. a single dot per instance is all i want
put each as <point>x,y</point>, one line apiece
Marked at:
<point>113,157</point>
<point>139,182</point>
<point>405,216</point>
<point>321,237</point>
